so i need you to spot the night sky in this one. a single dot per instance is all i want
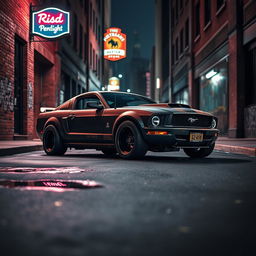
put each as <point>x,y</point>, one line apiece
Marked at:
<point>130,16</point>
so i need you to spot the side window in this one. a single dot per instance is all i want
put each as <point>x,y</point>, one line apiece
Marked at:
<point>81,103</point>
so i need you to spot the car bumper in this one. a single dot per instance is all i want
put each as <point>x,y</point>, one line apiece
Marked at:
<point>180,137</point>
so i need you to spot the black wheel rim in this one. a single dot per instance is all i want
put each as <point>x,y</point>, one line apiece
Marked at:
<point>126,141</point>
<point>49,141</point>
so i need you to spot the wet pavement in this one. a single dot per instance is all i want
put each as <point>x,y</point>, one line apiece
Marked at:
<point>166,204</point>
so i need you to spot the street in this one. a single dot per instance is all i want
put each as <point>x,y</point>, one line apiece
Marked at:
<point>165,204</point>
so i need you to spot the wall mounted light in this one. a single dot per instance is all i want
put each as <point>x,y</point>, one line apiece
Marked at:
<point>210,74</point>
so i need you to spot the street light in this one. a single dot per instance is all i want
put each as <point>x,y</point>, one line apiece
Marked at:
<point>128,90</point>
<point>120,76</point>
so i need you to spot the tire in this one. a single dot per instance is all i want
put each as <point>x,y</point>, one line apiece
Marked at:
<point>199,152</point>
<point>129,142</point>
<point>109,152</point>
<point>52,142</point>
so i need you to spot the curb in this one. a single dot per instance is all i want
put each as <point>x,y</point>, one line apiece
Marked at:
<point>236,149</point>
<point>19,150</point>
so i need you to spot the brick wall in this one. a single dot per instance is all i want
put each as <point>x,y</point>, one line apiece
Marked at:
<point>14,21</point>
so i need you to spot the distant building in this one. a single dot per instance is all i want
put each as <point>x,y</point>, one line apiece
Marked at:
<point>37,74</point>
<point>137,69</point>
<point>83,68</point>
<point>212,59</point>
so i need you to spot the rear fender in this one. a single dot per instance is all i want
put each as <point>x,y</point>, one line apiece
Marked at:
<point>54,121</point>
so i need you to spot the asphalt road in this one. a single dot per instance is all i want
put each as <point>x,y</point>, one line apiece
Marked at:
<point>166,204</point>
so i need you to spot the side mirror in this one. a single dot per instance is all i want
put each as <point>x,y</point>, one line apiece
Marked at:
<point>94,104</point>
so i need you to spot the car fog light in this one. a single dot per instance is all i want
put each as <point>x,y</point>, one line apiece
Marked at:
<point>155,121</point>
<point>157,133</point>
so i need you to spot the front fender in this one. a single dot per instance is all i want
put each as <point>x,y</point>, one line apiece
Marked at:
<point>131,116</point>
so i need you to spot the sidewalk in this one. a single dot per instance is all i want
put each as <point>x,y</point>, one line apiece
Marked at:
<point>10,147</point>
<point>245,146</point>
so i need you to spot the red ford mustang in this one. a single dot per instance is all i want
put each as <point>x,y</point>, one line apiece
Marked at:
<point>127,124</point>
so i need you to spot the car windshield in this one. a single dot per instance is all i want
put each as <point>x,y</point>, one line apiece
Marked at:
<point>125,99</point>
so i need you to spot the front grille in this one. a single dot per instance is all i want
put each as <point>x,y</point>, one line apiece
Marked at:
<point>191,120</point>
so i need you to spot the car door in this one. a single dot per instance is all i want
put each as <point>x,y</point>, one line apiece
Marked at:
<point>85,123</point>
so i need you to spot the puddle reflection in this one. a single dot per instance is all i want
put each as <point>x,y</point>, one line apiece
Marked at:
<point>50,184</point>
<point>43,170</point>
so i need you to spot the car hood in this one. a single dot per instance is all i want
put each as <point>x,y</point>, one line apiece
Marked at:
<point>166,109</point>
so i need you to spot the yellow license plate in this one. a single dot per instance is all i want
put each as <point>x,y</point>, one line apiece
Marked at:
<point>196,137</point>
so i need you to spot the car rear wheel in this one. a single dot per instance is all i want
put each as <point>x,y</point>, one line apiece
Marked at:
<point>199,152</point>
<point>52,142</point>
<point>129,142</point>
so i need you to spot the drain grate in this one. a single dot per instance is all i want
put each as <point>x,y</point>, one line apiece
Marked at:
<point>54,185</point>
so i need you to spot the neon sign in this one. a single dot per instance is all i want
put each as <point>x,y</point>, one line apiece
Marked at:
<point>50,23</point>
<point>114,44</point>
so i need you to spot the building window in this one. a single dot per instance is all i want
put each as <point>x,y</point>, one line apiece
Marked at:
<point>176,50</point>
<point>93,60</point>
<point>99,67</point>
<point>90,14</point>
<point>207,11</point>
<point>220,3</point>
<point>75,31</point>
<point>173,57</point>
<point>181,5</point>
<point>213,94</point>
<point>85,48</point>
<point>93,21</point>
<point>181,96</point>
<point>99,5</point>
<point>181,41</point>
<point>74,89</point>
<point>99,33</point>
<point>90,55</point>
<point>176,10</point>
<point>81,41</point>
<point>172,18</point>
<point>186,33</point>
<point>197,19</point>
<point>96,28</point>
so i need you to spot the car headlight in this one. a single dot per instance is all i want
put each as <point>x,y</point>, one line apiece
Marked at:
<point>155,120</point>
<point>214,123</point>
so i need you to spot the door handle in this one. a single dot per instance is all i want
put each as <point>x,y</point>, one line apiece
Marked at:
<point>72,116</point>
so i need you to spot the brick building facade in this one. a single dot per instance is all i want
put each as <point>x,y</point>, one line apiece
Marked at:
<point>44,74</point>
<point>213,60</point>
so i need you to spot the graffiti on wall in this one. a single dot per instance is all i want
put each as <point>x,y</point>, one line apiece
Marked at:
<point>6,95</point>
<point>30,96</point>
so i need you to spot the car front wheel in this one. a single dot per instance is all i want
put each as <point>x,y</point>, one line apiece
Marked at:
<point>199,152</point>
<point>129,142</point>
<point>52,142</point>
